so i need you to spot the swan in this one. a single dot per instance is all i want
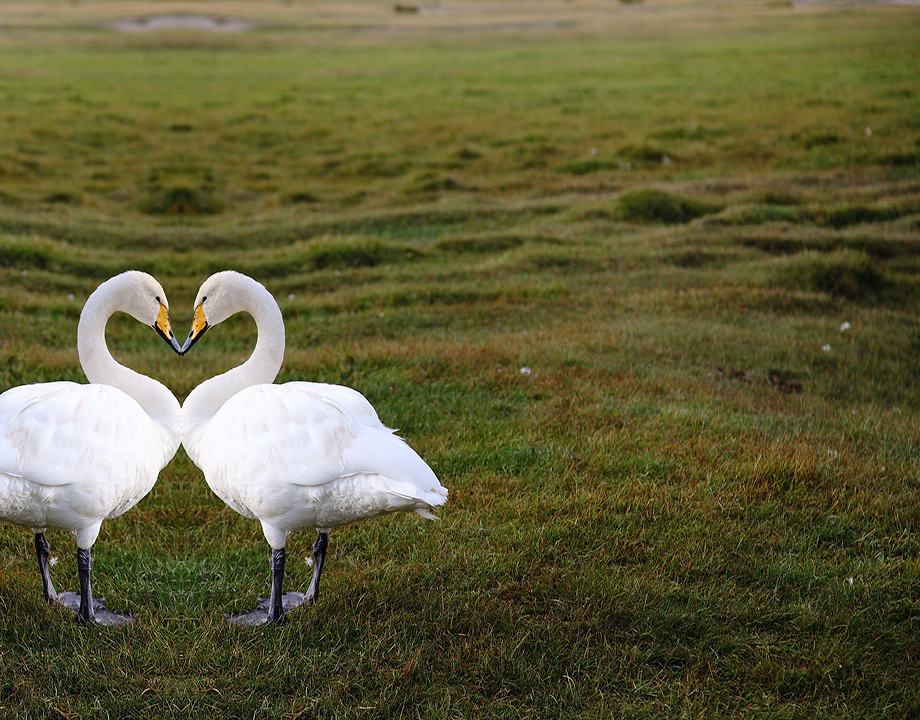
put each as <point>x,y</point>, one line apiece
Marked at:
<point>292,455</point>
<point>73,455</point>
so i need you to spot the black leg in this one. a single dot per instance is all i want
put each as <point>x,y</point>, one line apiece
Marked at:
<point>43,551</point>
<point>84,568</point>
<point>275,610</point>
<point>89,609</point>
<point>319,557</point>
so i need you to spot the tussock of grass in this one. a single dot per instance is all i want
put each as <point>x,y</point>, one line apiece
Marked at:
<point>302,197</point>
<point>181,200</point>
<point>847,273</point>
<point>903,160</point>
<point>63,196</point>
<point>482,244</point>
<point>848,215</point>
<point>356,253</point>
<point>780,197</point>
<point>656,206</point>
<point>888,247</point>
<point>763,214</point>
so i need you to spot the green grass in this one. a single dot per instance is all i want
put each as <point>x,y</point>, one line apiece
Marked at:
<point>702,500</point>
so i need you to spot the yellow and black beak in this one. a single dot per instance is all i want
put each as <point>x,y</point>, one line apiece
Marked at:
<point>199,327</point>
<point>162,326</point>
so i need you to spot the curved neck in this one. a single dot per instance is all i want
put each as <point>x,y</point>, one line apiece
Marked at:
<point>100,367</point>
<point>261,367</point>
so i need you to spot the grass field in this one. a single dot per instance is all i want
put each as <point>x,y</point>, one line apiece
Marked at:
<point>641,282</point>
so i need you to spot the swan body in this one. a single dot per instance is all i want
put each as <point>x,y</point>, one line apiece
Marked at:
<point>309,455</point>
<point>74,455</point>
<point>71,456</point>
<point>294,455</point>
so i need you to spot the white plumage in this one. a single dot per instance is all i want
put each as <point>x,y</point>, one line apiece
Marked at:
<point>294,455</point>
<point>310,455</point>
<point>72,455</point>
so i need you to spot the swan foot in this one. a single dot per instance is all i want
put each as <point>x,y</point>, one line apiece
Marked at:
<point>108,618</point>
<point>289,601</point>
<point>101,616</point>
<point>249,619</point>
<point>261,615</point>
<point>71,601</point>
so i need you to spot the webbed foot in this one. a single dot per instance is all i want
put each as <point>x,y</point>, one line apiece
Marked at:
<point>101,616</point>
<point>71,601</point>
<point>261,615</point>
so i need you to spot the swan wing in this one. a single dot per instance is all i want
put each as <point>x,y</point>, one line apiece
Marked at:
<point>306,434</point>
<point>61,433</point>
<point>17,414</point>
<point>348,399</point>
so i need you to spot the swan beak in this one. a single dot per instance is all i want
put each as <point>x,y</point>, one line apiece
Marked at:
<point>199,327</point>
<point>163,327</point>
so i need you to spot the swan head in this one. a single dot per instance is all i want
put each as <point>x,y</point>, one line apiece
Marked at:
<point>220,296</point>
<point>142,297</point>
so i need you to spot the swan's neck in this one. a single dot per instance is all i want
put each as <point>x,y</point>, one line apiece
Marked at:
<point>100,367</point>
<point>261,367</point>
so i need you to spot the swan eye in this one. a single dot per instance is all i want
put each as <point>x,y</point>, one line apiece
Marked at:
<point>157,298</point>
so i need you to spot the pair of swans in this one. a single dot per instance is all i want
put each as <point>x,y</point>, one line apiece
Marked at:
<point>292,456</point>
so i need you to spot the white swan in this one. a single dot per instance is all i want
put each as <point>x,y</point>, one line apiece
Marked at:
<point>295,455</point>
<point>73,455</point>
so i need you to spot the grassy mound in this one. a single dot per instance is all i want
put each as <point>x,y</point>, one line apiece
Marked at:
<point>656,206</point>
<point>182,200</point>
<point>847,273</point>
